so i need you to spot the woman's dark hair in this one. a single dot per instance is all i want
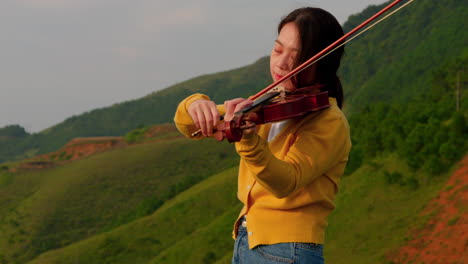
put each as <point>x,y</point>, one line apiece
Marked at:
<point>317,30</point>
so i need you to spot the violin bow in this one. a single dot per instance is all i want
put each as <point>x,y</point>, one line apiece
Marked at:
<point>335,45</point>
<point>332,47</point>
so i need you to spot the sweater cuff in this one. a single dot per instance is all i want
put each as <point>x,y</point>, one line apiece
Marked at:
<point>182,116</point>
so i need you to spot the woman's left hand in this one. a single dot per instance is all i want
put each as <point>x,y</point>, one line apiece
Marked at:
<point>234,105</point>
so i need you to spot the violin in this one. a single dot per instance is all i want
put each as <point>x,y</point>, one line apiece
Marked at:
<point>269,107</point>
<point>272,107</point>
<point>293,105</point>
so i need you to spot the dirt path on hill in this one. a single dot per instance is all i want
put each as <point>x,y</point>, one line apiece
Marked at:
<point>444,239</point>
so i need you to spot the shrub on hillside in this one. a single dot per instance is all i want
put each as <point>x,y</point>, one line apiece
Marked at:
<point>393,177</point>
<point>354,161</point>
<point>427,132</point>
<point>135,135</point>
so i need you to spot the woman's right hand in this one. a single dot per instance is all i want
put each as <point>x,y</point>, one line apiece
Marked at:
<point>205,115</point>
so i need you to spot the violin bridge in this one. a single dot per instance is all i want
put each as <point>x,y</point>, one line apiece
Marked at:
<point>281,90</point>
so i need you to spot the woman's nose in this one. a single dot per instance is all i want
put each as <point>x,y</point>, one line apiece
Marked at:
<point>283,62</point>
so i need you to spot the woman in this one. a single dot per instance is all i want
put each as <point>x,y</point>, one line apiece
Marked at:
<point>289,171</point>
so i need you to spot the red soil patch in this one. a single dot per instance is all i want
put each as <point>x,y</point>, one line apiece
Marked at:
<point>444,239</point>
<point>79,148</point>
<point>83,147</point>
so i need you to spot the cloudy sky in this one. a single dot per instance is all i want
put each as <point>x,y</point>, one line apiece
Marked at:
<point>60,58</point>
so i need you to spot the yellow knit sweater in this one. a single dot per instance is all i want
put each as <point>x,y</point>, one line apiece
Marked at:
<point>287,185</point>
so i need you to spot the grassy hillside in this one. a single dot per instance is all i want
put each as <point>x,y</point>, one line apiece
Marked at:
<point>428,132</point>
<point>372,218</point>
<point>46,209</point>
<point>374,214</point>
<point>394,61</point>
<point>180,222</point>
<point>116,120</point>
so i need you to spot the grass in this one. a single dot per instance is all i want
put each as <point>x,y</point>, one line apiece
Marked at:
<point>453,220</point>
<point>48,209</point>
<point>211,241</point>
<point>183,220</point>
<point>139,205</point>
<point>5,178</point>
<point>373,217</point>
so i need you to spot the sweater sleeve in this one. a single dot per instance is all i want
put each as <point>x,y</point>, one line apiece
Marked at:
<point>320,144</point>
<point>182,119</point>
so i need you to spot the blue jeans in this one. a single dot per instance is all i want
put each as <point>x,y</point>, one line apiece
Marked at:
<point>296,253</point>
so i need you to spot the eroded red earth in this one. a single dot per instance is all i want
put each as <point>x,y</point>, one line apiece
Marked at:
<point>444,239</point>
<point>79,148</point>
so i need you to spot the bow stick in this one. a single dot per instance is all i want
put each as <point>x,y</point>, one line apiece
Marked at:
<point>332,47</point>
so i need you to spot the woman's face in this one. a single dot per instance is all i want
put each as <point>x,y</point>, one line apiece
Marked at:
<point>284,54</point>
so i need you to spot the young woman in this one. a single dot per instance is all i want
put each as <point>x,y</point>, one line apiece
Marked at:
<point>289,171</point>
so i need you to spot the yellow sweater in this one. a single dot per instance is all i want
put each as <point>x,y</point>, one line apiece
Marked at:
<point>287,185</point>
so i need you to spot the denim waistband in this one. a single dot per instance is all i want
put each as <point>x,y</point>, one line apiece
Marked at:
<point>242,228</point>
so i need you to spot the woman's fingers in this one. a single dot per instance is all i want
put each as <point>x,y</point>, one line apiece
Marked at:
<point>246,117</point>
<point>215,114</point>
<point>193,114</point>
<point>230,107</point>
<point>201,121</point>
<point>243,105</point>
<point>204,115</point>
<point>229,110</point>
<point>208,119</point>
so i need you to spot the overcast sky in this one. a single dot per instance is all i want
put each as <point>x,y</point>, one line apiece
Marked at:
<point>60,58</point>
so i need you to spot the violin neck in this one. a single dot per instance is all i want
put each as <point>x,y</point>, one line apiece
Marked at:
<point>258,102</point>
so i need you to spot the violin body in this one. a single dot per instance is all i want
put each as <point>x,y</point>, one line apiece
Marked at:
<point>295,105</point>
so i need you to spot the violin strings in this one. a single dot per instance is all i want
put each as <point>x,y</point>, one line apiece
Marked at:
<point>353,37</point>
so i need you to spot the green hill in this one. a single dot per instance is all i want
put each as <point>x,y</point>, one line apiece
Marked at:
<point>41,210</point>
<point>182,220</point>
<point>116,120</point>
<point>394,61</point>
<point>188,227</point>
